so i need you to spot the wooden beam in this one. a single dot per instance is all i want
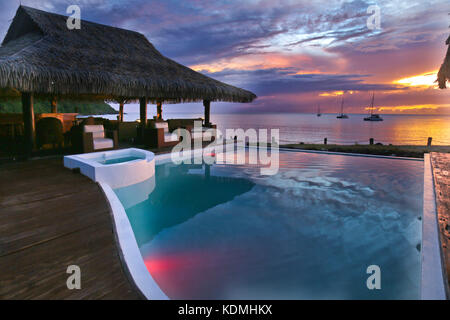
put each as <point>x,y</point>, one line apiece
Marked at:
<point>207,104</point>
<point>121,111</point>
<point>143,113</point>
<point>159,110</point>
<point>28,121</point>
<point>54,105</point>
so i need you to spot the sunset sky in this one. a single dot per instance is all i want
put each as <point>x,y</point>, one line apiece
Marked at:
<point>292,54</point>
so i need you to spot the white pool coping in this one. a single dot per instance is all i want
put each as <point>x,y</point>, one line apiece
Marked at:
<point>432,280</point>
<point>129,250</point>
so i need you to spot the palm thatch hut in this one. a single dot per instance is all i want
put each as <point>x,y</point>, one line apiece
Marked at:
<point>444,71</point>
<point>41,56</point>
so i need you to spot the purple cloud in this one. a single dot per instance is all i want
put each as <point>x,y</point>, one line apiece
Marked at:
<point>330,34</point>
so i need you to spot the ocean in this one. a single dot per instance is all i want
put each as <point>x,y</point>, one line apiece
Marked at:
<point>308,128</point>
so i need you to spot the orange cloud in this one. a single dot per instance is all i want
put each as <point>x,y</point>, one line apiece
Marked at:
<point>259,61</point>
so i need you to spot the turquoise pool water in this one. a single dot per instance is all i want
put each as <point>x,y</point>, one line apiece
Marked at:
<point>308,232</point>
<point>119,160</point>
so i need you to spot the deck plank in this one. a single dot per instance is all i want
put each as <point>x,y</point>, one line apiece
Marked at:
<point>51,218</point>
<point>441,172</point>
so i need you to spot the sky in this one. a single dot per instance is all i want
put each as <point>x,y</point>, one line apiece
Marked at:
<point>294,55</point>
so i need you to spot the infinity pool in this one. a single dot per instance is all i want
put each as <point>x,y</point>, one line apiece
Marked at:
<point>308,232</point>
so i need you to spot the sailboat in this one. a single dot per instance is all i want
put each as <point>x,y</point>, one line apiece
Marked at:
<point>342,115</point>
<point>373,117</point>
<point>318,111</point>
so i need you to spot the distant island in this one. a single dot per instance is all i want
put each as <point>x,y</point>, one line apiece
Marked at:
<point>67,106</point>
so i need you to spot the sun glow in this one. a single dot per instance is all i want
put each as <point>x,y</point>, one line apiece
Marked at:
<point>423,80</point>
<point>411,107</point>
<point>332,94</point>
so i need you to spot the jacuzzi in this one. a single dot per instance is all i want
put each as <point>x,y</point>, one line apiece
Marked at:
<point>117,168</point>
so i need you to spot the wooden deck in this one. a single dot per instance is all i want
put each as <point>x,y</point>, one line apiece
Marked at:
<point>51,218</point>
<point>441,171</point>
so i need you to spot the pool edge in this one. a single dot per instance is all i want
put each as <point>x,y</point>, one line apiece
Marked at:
<point>132,261</point>
<point>432,277</point>
<point>364,155</point>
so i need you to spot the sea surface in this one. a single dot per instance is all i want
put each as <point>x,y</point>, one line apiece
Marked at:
<point>308,128</point>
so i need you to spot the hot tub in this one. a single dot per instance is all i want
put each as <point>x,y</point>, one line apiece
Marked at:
<point>117,168</point>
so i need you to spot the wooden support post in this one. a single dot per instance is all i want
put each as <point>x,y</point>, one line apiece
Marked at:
<point>143,114</point>
<point>429,141</point>
<point>371,141</point>
<point>28,121</point>
<point>54,105</point>
<point>207,104</point>
<point>325,141</point>
<point>121,111</point>
<point>159,110</point>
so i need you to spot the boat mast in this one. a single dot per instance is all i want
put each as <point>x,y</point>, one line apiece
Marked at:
<point>342,106</point>
<point>371,106</point>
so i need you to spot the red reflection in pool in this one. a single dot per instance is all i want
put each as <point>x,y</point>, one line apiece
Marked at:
<point>191,274</point>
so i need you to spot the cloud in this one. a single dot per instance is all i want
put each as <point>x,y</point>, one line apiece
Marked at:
<point>290,50</point>
<point>266,82</point>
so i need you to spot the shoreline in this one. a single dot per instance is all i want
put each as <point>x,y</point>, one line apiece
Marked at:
<point>411,151</point>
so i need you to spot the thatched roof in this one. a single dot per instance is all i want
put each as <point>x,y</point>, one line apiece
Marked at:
<point>40,54</point>
<point>444,71</point>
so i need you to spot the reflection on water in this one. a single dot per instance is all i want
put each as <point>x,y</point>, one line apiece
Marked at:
<point>181,193</point>
<point>226,232</point>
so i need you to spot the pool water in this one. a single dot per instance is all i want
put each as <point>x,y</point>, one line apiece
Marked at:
<point>308,232</point>
<point>118,160</point>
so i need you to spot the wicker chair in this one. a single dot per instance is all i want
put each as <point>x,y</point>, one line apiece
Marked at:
<point>128,131</point>
<point>157,135</point>
<point>96,138</point>
<point>49,131</point>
